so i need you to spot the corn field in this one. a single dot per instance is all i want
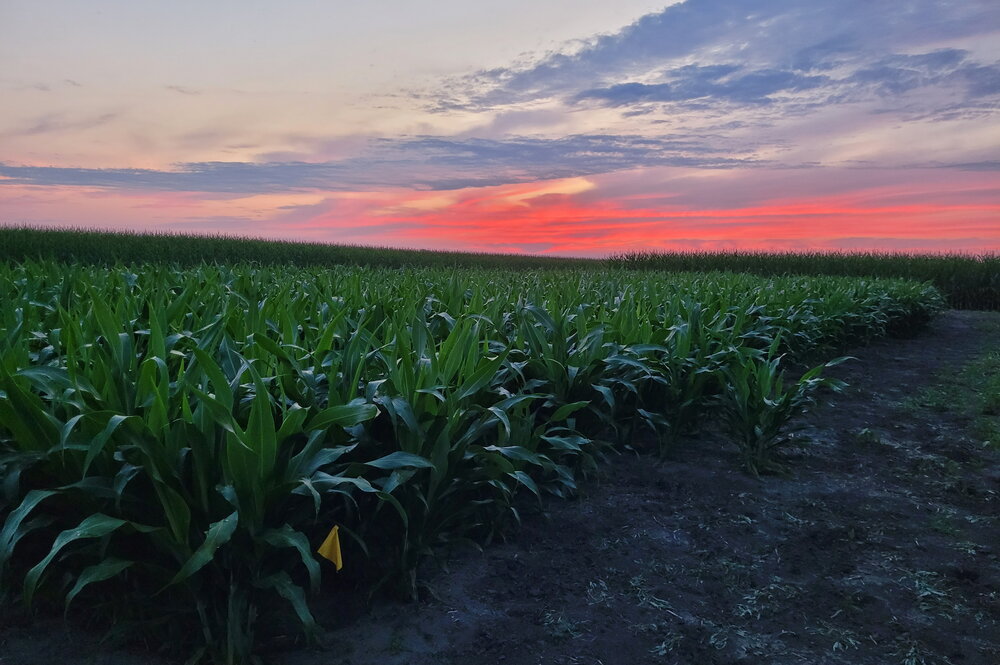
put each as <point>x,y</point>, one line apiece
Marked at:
<point>177,442</point>
<point>968,281</point>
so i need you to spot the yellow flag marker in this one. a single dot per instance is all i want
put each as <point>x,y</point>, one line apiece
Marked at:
<point>330,549</point>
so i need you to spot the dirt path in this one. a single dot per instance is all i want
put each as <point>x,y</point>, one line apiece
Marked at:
<point>882,547</point>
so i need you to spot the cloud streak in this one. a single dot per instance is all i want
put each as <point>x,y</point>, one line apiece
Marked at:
<point>419,163</point>
<point>725,83</point>
<point>52,123</point>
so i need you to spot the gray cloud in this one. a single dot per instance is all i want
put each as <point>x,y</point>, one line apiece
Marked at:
<point>425,162</point>
<point>747,52</point>
<point>59,122</point>
<point>985,165</point>
<point>897,74</point>
<point>955,86</point>
<point>719,83</point>
<point>183,90</point>
<point>952,80</point>
<point>39,86</point>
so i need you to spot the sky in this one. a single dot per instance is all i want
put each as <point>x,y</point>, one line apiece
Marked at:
<point>578,128</point>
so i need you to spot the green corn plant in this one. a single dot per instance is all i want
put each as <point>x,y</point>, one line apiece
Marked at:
<point>683,372</point>
<point>441,409</point>
<point>969,281</point>
<point>757,405</point>
<point>562,359</point>
<point>191,434</point>
<point>206,473</point>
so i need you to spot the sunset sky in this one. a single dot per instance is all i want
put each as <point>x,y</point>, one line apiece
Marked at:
<point>543,126</point>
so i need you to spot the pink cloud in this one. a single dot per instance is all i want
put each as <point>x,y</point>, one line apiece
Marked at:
<point>646,209</point>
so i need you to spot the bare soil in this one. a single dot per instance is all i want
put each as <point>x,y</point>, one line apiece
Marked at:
<point>881,546</point>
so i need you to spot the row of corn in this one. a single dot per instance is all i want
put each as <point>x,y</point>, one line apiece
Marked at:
<point>968,281</point>
<point>175,444</point>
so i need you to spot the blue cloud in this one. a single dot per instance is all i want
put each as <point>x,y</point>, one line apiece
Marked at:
<point>983,81</point>
<point>425,162</point>
<point>896,74</point>
<point>746,52</point>
<point>715,82</point>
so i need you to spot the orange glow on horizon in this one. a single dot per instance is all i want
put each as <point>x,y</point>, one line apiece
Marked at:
<point>566,217</point>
